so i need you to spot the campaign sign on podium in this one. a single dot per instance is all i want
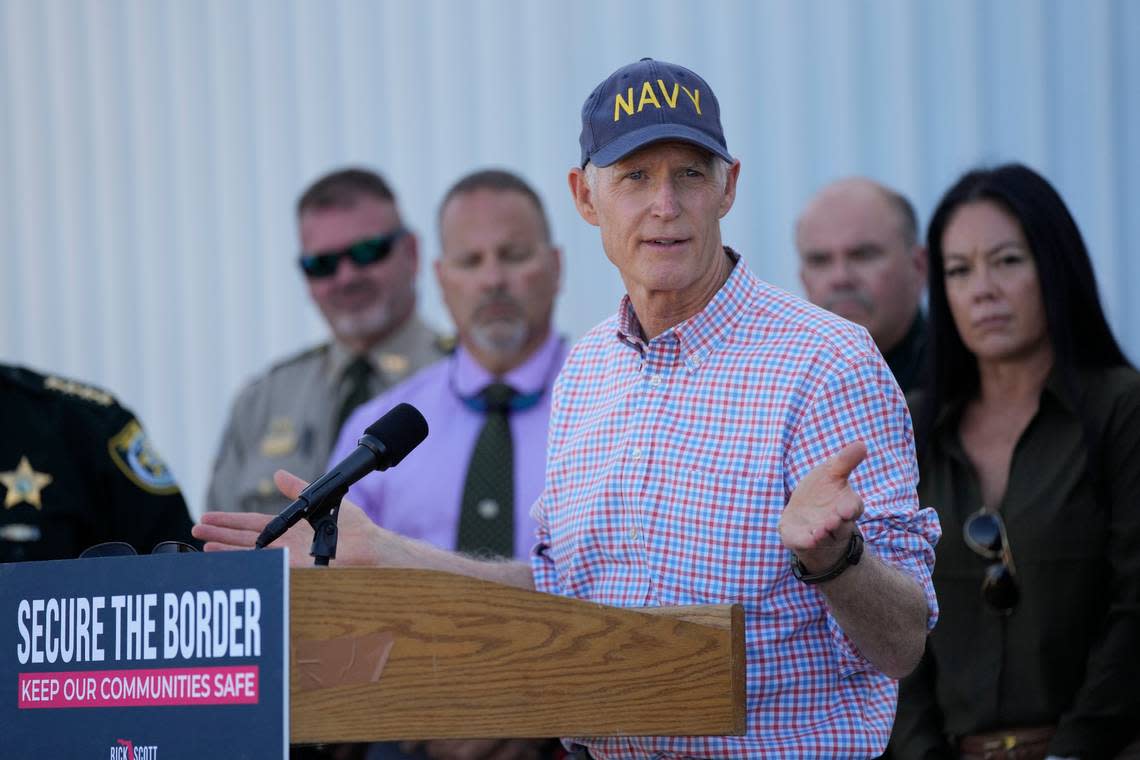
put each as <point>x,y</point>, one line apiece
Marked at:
<point>146,658</point>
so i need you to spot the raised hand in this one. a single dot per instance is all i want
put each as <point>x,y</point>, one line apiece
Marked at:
<point>820,516</point>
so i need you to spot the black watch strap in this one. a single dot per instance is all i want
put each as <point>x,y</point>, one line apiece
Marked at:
<point>852,557</point>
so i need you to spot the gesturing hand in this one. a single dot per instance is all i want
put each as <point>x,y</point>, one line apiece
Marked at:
<point>224,531</point>
<point>818,521</point>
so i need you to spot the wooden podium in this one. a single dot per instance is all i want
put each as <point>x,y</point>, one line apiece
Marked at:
<point>380,654</point>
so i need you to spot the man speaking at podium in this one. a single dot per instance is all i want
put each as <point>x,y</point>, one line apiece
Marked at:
<point>716,441</point>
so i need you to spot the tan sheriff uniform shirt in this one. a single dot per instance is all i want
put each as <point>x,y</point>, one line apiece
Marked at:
<point>286,418</point>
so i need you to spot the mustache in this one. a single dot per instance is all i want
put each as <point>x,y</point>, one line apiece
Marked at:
<point>497,301</point>
<point>352,287</point>
<point>848,294</point>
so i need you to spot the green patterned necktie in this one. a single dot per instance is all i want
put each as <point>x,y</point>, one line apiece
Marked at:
<point>355,388</point>
<point>487,517</point>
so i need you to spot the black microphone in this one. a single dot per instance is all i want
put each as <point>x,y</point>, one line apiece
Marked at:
<point>384,444</point>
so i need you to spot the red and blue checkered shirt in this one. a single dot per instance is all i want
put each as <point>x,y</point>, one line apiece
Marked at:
<point>669,463</point>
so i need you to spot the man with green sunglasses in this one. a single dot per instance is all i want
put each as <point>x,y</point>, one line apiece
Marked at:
<point>359,263</point>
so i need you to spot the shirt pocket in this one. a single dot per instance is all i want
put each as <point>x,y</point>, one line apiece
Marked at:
<point>714,534</point>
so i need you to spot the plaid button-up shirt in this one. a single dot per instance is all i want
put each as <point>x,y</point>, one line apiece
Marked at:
<point>669,463</point>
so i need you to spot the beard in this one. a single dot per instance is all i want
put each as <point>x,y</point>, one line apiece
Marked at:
<point>363,324</point>
<point>504,338</point>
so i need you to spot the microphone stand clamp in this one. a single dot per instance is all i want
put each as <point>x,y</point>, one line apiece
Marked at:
<point>322,517</point>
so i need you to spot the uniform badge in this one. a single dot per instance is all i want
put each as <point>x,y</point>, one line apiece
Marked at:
<point>281,439</point>
<point>394,365</point>
<point>24,485</point>
<point>133,454</point>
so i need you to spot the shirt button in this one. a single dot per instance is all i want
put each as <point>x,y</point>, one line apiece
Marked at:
<point>636,454</point>
<point>633,534</point>
<point>488,509</point>
<point>655,380</point>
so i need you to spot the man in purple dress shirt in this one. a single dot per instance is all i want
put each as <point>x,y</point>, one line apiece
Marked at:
<point>499,274</point>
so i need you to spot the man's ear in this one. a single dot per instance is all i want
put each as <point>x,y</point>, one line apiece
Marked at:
<point>583,195</point>
<point>729,196</point>
<point>921,265</point>
<point>437,266</point>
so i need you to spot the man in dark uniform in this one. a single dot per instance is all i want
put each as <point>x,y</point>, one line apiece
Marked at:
<point>77,469</point>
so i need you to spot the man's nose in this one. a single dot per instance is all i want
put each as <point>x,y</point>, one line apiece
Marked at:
<point>492,274</point>
<point>842,274</point>
<point>346,271</point>
<point>666,203</point>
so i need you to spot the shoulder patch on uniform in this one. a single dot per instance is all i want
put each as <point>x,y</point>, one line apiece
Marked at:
<point>300,356</point>
<point>78,390</point>
<point>133,454</point>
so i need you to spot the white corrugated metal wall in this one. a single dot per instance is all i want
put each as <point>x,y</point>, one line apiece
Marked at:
<point>150,150</point>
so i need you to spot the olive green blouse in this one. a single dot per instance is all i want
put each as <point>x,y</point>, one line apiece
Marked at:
<point>1069,653</point>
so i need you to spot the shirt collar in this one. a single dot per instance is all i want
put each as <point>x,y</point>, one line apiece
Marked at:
<point>1054,389</point>
<point>532,376</point>
<point>699,335</point>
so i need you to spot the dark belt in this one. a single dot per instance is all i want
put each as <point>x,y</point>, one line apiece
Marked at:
<point>1009,744</point>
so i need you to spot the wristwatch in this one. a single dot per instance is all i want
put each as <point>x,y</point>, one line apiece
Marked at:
<point>852,557</point>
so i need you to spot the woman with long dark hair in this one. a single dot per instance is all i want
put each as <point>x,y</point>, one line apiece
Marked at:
<point>1028,437</point>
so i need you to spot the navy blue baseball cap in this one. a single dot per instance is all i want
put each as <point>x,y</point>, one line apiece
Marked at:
<point>646,102</point>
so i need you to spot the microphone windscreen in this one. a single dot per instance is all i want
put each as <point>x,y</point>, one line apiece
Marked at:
<point>400,430</point>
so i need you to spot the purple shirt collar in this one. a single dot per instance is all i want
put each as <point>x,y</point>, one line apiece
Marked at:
<point>532,376</point>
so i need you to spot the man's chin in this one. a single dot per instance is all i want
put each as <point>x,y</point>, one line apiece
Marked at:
<point>500,338</point>
<point>852,312</point>
<point>361,326</point>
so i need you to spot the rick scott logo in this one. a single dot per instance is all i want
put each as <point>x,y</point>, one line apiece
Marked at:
<point>125,749</point>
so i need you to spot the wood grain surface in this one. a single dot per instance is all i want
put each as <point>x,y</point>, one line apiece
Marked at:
<point>465,658</point>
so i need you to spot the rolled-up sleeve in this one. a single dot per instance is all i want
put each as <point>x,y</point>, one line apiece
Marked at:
<point>541,561</point>
<point>859,401</point>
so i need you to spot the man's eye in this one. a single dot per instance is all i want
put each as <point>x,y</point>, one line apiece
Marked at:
<point>638,174</point>
<point>866,254</point>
